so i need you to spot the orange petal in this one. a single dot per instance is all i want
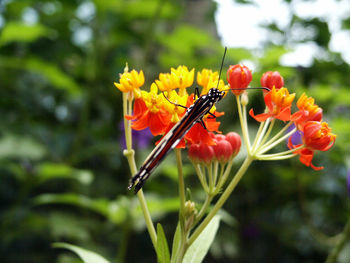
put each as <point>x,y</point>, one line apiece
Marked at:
<point>284,115</point>
<point>260,117</point>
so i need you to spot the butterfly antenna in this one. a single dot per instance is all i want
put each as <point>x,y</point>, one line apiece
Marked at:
<point>222,64</point>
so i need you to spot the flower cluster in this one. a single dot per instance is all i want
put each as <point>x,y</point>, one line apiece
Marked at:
<point>316,135</point>
<point>165,104</point>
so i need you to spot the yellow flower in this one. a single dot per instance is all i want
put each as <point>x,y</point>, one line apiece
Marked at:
<point>167,82</point>
<point>174,110</point>
<point>152,99</point>
<point>131,81</point>
<point>206,76</point>
<point>183,76</point>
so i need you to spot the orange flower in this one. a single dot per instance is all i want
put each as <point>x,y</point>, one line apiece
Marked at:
<point>308,111</point>
<point>317,137</point>
<point>278,103</point>
<point>154,116</point>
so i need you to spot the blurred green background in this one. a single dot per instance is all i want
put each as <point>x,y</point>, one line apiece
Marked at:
<point>63,174</point>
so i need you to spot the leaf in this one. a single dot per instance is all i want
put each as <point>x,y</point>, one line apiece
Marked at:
<point>200,247</point>
<point>116,211</point>
<point>12,146</point>
<point>21,32</point>
<point>176,243</point>
<point>86,255</point>
<point>162,246</point>
<point>47,171</point>
<point>50,71</point>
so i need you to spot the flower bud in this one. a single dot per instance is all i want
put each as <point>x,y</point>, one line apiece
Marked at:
<point>272,79</point>
<point>235,140</point>
<point>190,208</point>
<point>223,151</point>
<point>201,153</point>
<point>239,77</point>
<point>244,99</point>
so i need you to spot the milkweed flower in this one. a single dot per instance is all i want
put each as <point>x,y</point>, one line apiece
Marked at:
<point>308,111</point>
<point>272,79</point>
<point>278,104</point>
<point>317,136</point>
<point>239,77</point>
<point>131,82</point>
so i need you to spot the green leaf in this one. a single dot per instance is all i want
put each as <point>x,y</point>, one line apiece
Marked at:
<point>47,171</point>
<point>12,146</point>
<point>86,255</point>
<point>20,32</point>
<point>162,246</point>
<point>50,71</point>
<point>116,211</point>
<point>200,247</point>
<point>176,243</point>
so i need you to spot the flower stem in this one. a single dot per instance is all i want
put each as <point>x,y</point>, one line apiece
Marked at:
<point>279,154</point>
<point>266,147</point>
<point>201,177</point>
<point>244,125</point>
<point>181,186</point>
<point>332,257</point>
<point>129,153</point>
<point>222,199</point>
<point>204,208</point>
<point>277,135</point>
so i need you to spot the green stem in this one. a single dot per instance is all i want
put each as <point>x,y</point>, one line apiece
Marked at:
<point>266,147</point>
<point>280,153</point>
<point>267,134</point>
<point>201,177</point>
<point>222,199</point>
<point>244,125</point>
<point>129,153</point>
<point>261,126</point>
<point>332,257</point>
<point>274,138</point>
<point>259,137</point>
<point>181,187</point>
<point>277,158</point>
<point>204,208</point>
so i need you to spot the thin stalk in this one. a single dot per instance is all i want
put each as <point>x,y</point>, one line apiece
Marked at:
<point>283,157</point>
<point>204,208</point>
<point>261,134</point>
<point>222,199</point>
<point>244,125</point>
<point>223,176</point>
<point>201,177</point>
<point>181,187</point>
<point>267,134</point>
<point>332,257</point>
<point>129,153</point>
<point>210,175</point>
<point>261,126</point>
<point>266,147</point>
<point>277,135</point>
<point>216,164</point>
<point>280,153</point>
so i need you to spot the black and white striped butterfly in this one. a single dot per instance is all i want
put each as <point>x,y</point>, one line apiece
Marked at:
<point>193,115</point>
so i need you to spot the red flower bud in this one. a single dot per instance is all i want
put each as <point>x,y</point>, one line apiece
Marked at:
<point>272,79</point>
<point>223,151</point>
<point>201,153</point>
<point>235,140</point>
<point>239,77</point>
